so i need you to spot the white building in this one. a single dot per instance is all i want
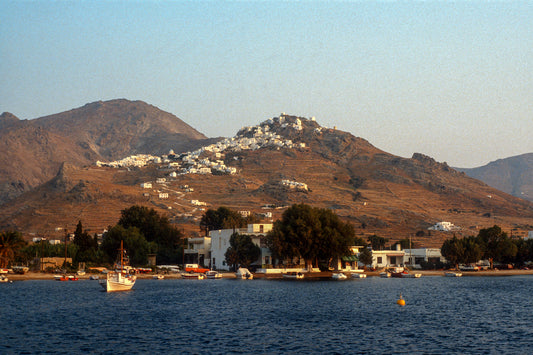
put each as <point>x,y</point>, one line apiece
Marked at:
<point>220,244</point>
<point>163,195</point>
<point>388,258</point>
<point>443,226</point>
<point>198,251</point>
<point>414,257</point>
<point>146,185</point>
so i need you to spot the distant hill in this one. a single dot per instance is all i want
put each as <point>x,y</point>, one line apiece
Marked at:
<point>32,151</point>
<point>513,175</point>
<point>264,168</point>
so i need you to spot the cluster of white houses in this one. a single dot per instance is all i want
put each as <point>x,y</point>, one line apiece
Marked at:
<point>208,159</point>
<point>210,251</point>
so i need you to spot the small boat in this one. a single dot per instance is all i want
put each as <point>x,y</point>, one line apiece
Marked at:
<point>118,280</point>
<point>3,278</point>
<point>94,277</point>
<point>385,274</point>
<point>293,275</point>
<point>72,278</point>
<point>81,272</point>
<point>212,274</point>
<point>358,276</point>
<point>405,275</point>
<point>338,276</point>
<point>193,276</point>
<point>4,271</point>
<point>244,274</point>
<point>453,274</point>
<point>158,277</point>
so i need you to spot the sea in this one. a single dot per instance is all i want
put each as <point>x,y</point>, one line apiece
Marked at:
<point>442,315</point>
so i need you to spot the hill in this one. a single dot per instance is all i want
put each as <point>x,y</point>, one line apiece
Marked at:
<point>513,175</point>
<point>32,151</point>
<point>263,169</point>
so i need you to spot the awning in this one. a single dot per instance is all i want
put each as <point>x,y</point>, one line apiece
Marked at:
<point>350,258</point>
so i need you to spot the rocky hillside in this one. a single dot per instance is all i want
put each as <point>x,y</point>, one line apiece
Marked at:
<point>513,175</point>
<point>32,151</point>
<point>263,169</point>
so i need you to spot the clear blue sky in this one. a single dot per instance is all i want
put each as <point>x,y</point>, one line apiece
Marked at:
<point>453,80</point>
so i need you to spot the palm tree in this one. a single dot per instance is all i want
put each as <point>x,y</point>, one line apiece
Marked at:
<point>10,244</point>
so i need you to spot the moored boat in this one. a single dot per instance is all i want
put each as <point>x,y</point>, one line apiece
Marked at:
<point>453,274</point>
<point>244,274</point>
<point>212,274</point>
<point>293,275</point>
<point>3,278</point>
<point>338,276</point>
<point>158,277</point>
<point>358,276</point>
<point>193,276</point>
<point>118,280</point>
<point>405,275</point>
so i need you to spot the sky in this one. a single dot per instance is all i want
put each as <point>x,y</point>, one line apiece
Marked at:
<point>452,80</point>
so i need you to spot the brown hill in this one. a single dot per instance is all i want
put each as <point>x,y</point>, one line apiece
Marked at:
<point>513,175</point>
<point>31,151</point>
<point>379,193</point>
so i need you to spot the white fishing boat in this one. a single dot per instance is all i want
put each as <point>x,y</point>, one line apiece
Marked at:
<point>193,275</point>
<point>338,276</point>
<point>453,274</point>
<point>118,280</point>
<point>244,274</point>
<point>212,274</point>
<point>358,276</point>
<point>158,277</point>
<point>3,278</point>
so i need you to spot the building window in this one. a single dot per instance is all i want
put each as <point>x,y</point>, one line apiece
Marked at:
<point>261,227</point>
<point>380,260</point>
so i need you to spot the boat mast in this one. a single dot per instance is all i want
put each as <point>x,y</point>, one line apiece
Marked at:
<point>122,256</point>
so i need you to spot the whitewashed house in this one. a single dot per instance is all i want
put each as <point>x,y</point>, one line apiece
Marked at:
<point>414,257</point>
<point>388,258</point>
<point>146,185</point>
<point>220,244</point>
<point>198,251</point>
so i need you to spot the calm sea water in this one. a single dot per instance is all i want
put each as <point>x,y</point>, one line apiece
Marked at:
<point>468,315</point>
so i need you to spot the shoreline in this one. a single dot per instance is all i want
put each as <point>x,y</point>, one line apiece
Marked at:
<point>484,273</point>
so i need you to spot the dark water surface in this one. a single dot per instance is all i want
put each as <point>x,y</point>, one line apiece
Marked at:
<point>468,315</point>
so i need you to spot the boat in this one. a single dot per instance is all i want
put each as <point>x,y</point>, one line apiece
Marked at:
<point>293,275</point>
<point>358,276</point>
<point>158,277</point>
<point>338,276</point>
<point>385,274</point>
<point>4,271</point>
<point>20,269</point>
<point>81,272</point>
<point>118,280</point>
<point>195,268</point>
<point>72,278</point>
<point>94,277</point>
<point>3,278</point>
<point>405,275</point>
<point>193,276</point>
<point>453,274</point>
<point>212,274</point>
<point>244,274</point>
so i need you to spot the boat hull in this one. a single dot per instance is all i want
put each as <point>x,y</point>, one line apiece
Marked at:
<point>117,282</point>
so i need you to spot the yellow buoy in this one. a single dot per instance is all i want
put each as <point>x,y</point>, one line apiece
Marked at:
<point>401,301</point>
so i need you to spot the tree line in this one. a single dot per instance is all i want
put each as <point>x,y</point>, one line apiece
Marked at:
<point>142,230</point>
<point>490,244</point>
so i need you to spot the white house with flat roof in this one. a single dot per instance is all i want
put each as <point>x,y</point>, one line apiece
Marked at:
<point>220,244</point>
<point>388,258</point>
<point>414,257</point>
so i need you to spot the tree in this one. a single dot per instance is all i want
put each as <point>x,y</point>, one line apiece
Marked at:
<point>309,233</point>
<point>155,229</point>
<point>453,250</point>
<point>135,245</point>
<point>222,218</point>
<point>497,246</point>
<point>242,251</point>
<point>377,242</point>
<point>87,246</point>
<point>365,256</point>
<point>10,245</point>
<point>359,241</point>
